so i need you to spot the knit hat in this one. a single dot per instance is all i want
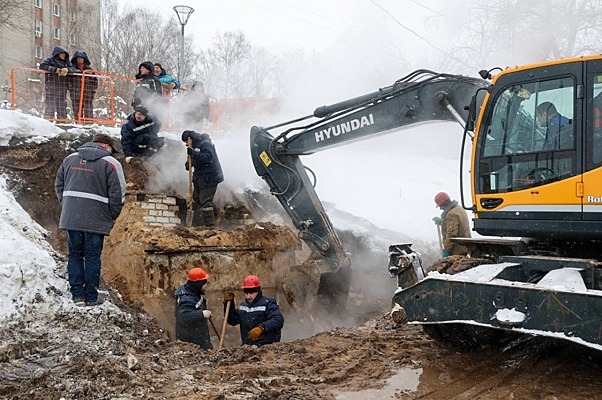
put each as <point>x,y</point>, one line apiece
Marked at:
<point>142,110</point>
<point>146,64</point>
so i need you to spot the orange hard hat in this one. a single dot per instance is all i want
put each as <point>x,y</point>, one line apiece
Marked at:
<point>197,274</point>
<point>250,282</point>
<point>441,198</point>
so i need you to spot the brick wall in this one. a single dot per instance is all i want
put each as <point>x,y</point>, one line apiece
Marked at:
<point>160,210</point>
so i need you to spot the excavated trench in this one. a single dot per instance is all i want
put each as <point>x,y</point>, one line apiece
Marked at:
<point>150,249</point>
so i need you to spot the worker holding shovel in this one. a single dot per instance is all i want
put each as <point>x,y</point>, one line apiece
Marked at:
<point>207,173</point>
<point>259,316</point>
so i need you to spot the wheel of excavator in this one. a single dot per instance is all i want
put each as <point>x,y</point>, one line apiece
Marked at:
<point>463,336</point>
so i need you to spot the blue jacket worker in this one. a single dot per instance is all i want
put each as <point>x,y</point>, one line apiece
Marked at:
<point>259,316</point>
<point>139,136</point>
<point>207,173</point>
<point>558,128</point>
<point>168,81</point>
<point>90,186</point>
<point>191,310</point>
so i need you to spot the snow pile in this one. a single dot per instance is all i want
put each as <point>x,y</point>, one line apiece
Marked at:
<point>30,286</point>
<point>19,125</point>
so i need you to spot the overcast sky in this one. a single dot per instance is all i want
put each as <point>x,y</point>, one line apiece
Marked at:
<point>289,24</point>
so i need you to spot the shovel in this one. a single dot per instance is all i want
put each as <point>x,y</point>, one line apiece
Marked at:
<point>221,341</point>
<point>439,235</point>
<point>215,329</point>
<point>189,202</point>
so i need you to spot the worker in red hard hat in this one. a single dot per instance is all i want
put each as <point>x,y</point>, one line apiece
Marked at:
<point>191,310</point>
<point>454,224</point>
<point>259,316</point>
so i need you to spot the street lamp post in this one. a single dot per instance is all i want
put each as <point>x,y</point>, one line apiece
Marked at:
<point>183,13</point>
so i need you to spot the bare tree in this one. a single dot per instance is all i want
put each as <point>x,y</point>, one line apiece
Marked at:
<point>519,31</point>
<point>12,13</point>
<point>129,37</point>
<point>224,62</point>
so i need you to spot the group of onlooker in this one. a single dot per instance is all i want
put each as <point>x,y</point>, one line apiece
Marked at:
<point>65,75</point>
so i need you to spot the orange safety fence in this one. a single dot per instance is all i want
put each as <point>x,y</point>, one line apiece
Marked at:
<point>104,98</point>
<point>92,97</point>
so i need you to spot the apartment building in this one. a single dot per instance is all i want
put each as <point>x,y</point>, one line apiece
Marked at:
<point>40,25</point>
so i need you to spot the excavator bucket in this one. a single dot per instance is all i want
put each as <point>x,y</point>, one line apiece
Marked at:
<point>554,297</point>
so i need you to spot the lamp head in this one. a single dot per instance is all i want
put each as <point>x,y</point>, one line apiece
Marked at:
<point>183,13</point>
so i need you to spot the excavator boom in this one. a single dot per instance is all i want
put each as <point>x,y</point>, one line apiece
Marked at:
<point>422,96</point>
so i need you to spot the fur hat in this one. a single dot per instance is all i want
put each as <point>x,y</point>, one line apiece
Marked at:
<point>106,139</point>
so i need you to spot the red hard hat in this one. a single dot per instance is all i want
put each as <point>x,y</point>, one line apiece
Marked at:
<point>441,198</point>
<point>197,274</point>
<point>250,282</point>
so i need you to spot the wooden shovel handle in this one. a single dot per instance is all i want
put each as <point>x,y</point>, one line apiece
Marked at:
<point>189,145</point>
<point>221,341</point>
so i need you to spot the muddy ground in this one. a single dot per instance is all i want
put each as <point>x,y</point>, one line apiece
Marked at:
<point>119,351</point>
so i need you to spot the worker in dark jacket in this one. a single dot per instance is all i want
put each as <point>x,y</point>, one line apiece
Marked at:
<point>148,87</point>
<point>454,224</point>
<point>56,83</point>
<point>90,186</point>
<point>259,316</point>
<point>191,310</point>
<point>139,136</point>
<point>81,63</point>
<point>207,173</point>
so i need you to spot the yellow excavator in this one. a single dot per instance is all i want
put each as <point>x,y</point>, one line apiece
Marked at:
<point>536,179</point>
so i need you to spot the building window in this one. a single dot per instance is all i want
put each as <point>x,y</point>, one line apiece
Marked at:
<point>72,16</point>
<point>72,39</point>
<point>37,3</point>
<point>57,10</point>
<point>38,51</point>
<point>57,33</point>
<point>38,28</point>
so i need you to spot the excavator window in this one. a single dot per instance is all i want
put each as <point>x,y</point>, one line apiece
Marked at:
<point>530,137</point>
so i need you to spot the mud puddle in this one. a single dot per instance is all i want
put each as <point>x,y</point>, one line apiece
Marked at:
<point>405,381</point>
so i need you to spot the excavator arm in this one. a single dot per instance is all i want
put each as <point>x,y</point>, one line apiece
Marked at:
<point>422,96</point>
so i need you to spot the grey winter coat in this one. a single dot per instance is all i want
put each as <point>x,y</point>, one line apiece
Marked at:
<point>90,186</point>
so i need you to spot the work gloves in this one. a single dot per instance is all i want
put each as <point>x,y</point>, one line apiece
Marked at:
<point>228,297</point>
<point>437,220</point>
<point>129,159</point>
<point>255,333</point>
<point>206,314</point>
<point>445,254</point>
<point>62,71</point>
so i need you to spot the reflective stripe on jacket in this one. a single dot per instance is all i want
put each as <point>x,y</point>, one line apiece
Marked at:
<point>90,186</point>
